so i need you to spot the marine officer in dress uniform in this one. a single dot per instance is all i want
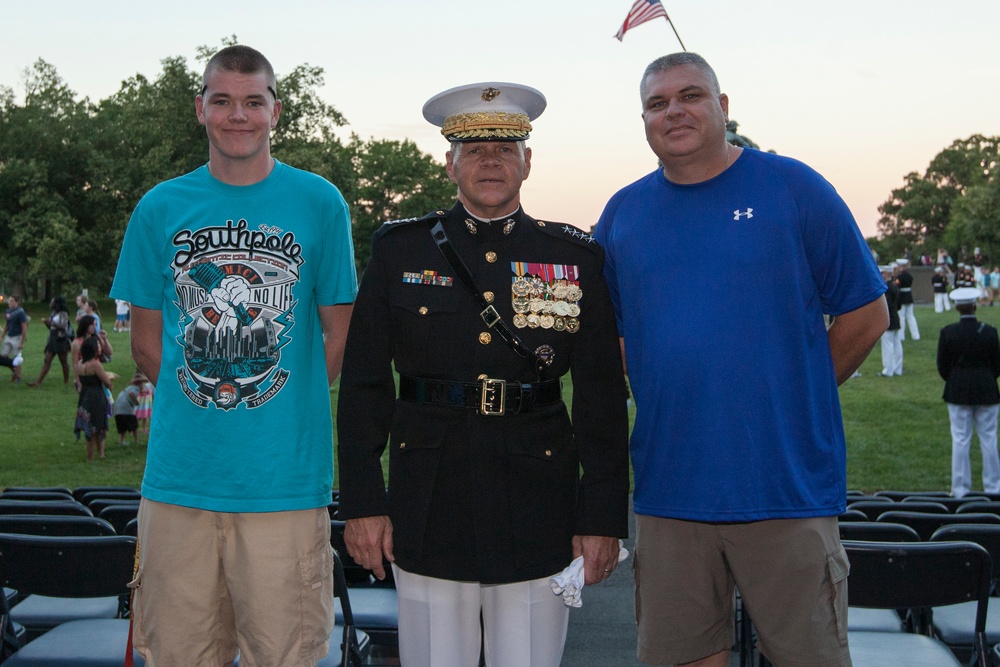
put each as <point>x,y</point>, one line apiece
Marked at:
<point>939,282</point>
<point>968,360</point>
<point>481,310</point>
<point>904,280</point>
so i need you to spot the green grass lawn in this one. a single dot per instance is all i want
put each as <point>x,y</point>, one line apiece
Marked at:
<point>897,428</point>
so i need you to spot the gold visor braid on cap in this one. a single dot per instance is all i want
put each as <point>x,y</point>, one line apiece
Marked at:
<point>485,124</point>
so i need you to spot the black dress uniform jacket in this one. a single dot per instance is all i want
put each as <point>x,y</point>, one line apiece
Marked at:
<point>892,300</point>
<point>968,359</point>
<point>905,282</point>
<point>473,497</point>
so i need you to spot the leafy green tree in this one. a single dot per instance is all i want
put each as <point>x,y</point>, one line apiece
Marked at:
<point>923,212</point>
<point>71,172</point>
<point>46,174</point>
<point>394,180</point>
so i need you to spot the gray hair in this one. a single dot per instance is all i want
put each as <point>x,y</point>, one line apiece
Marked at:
<point>664,63</point>
<point>456,149</point>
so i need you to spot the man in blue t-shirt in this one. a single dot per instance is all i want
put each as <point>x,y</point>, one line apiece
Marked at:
<point>241,278</point>
<point>738,446</point>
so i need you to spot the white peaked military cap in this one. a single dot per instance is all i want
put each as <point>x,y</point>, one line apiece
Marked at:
<point>939,269</point>
<point>964,295</point>
<point>902,261</point>
<point>885,268</point>
<point>489,111</point>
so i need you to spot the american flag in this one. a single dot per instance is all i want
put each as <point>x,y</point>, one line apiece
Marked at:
<point>642,11</point>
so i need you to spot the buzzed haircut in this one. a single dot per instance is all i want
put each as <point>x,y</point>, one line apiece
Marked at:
<point>664,63</point>
<point>242,59</point>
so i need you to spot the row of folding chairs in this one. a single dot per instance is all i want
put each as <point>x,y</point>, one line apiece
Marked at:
<point>87,568</point>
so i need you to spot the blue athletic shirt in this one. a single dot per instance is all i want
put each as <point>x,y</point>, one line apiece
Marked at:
<point>720,289</point>
<point>241,421</point>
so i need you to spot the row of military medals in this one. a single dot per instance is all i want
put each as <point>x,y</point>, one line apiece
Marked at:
<point>549,306</point>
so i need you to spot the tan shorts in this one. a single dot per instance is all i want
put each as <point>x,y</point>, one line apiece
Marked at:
<point>211,582</point>
<point>791,573</point>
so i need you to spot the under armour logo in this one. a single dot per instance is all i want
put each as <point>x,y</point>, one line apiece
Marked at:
<point>737,214</point>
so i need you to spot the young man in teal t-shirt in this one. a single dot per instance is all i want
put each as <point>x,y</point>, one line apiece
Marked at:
<point>241,279</point>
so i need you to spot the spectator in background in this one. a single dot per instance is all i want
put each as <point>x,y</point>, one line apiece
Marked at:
<point>91,309</point>
<point>86,328</point>
<point>121,315</point>
<point>144,408</point>
<point>964,276</point>
<point>939,283</point>
<point>81,306</point>
<point>892,342</point>
<point>904,281</point>
<point>60,339</point>
<point>124,409</point>
<point>92,405</point>
<point>968,360</point>
<point>943,257</point>
<point>994,283</point>
<point>15,335</point>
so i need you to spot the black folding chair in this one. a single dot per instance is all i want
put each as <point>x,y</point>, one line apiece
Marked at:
<point>877,531</point>
<point>55,489</point>
<point>91,496</point>
<point>917,576</point>
<point>80,491</point>
<point>65,507</point>
<point>119,515</point>
<point>38,614</point>
<point>899,495</point>
<point>876,620</point>
<point>97,505</point>
<point>925,524</point>
<point>873,508</point>
<point>55,524</point>
<point>952,504</point>
<point>35,495</point>
<point>980,506</point>
<point>953,624</point>
<point>852,515</point>
<point>78,567</point>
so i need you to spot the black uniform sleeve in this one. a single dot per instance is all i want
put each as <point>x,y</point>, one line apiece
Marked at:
<point>600,415</point>
<point>366,400</point>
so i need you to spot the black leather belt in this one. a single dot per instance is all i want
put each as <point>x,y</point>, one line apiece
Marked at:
<point>489,396</point>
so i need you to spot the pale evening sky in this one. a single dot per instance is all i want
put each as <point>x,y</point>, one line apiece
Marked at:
<point>863,91</point>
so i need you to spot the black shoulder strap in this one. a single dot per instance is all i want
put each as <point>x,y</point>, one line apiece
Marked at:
<point>489,314</point>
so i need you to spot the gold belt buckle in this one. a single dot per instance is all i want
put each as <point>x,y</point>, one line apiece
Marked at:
<point>492,397</point>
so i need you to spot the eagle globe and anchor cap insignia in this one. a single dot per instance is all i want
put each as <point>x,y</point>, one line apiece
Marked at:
<point>234,294</point>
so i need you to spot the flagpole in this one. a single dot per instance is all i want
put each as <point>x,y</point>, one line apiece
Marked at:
<point>675,33</point>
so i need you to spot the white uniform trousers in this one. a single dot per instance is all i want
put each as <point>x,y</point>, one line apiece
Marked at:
<point>906,318</point>
<point>941,302</point>
<point>524,623</point>
<point>963,419</point>
<point>892,353</point>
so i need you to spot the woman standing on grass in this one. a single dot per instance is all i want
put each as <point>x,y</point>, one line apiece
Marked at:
<point>85,329</point>
<point>92,406</point>
<point>60,339</point>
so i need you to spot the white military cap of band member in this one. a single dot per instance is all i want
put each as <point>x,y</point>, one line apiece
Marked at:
<point>884,268</point>
<point>964,295</point>
<point>489,111</point>
<point>939,269</point>
<point>902,261</point>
